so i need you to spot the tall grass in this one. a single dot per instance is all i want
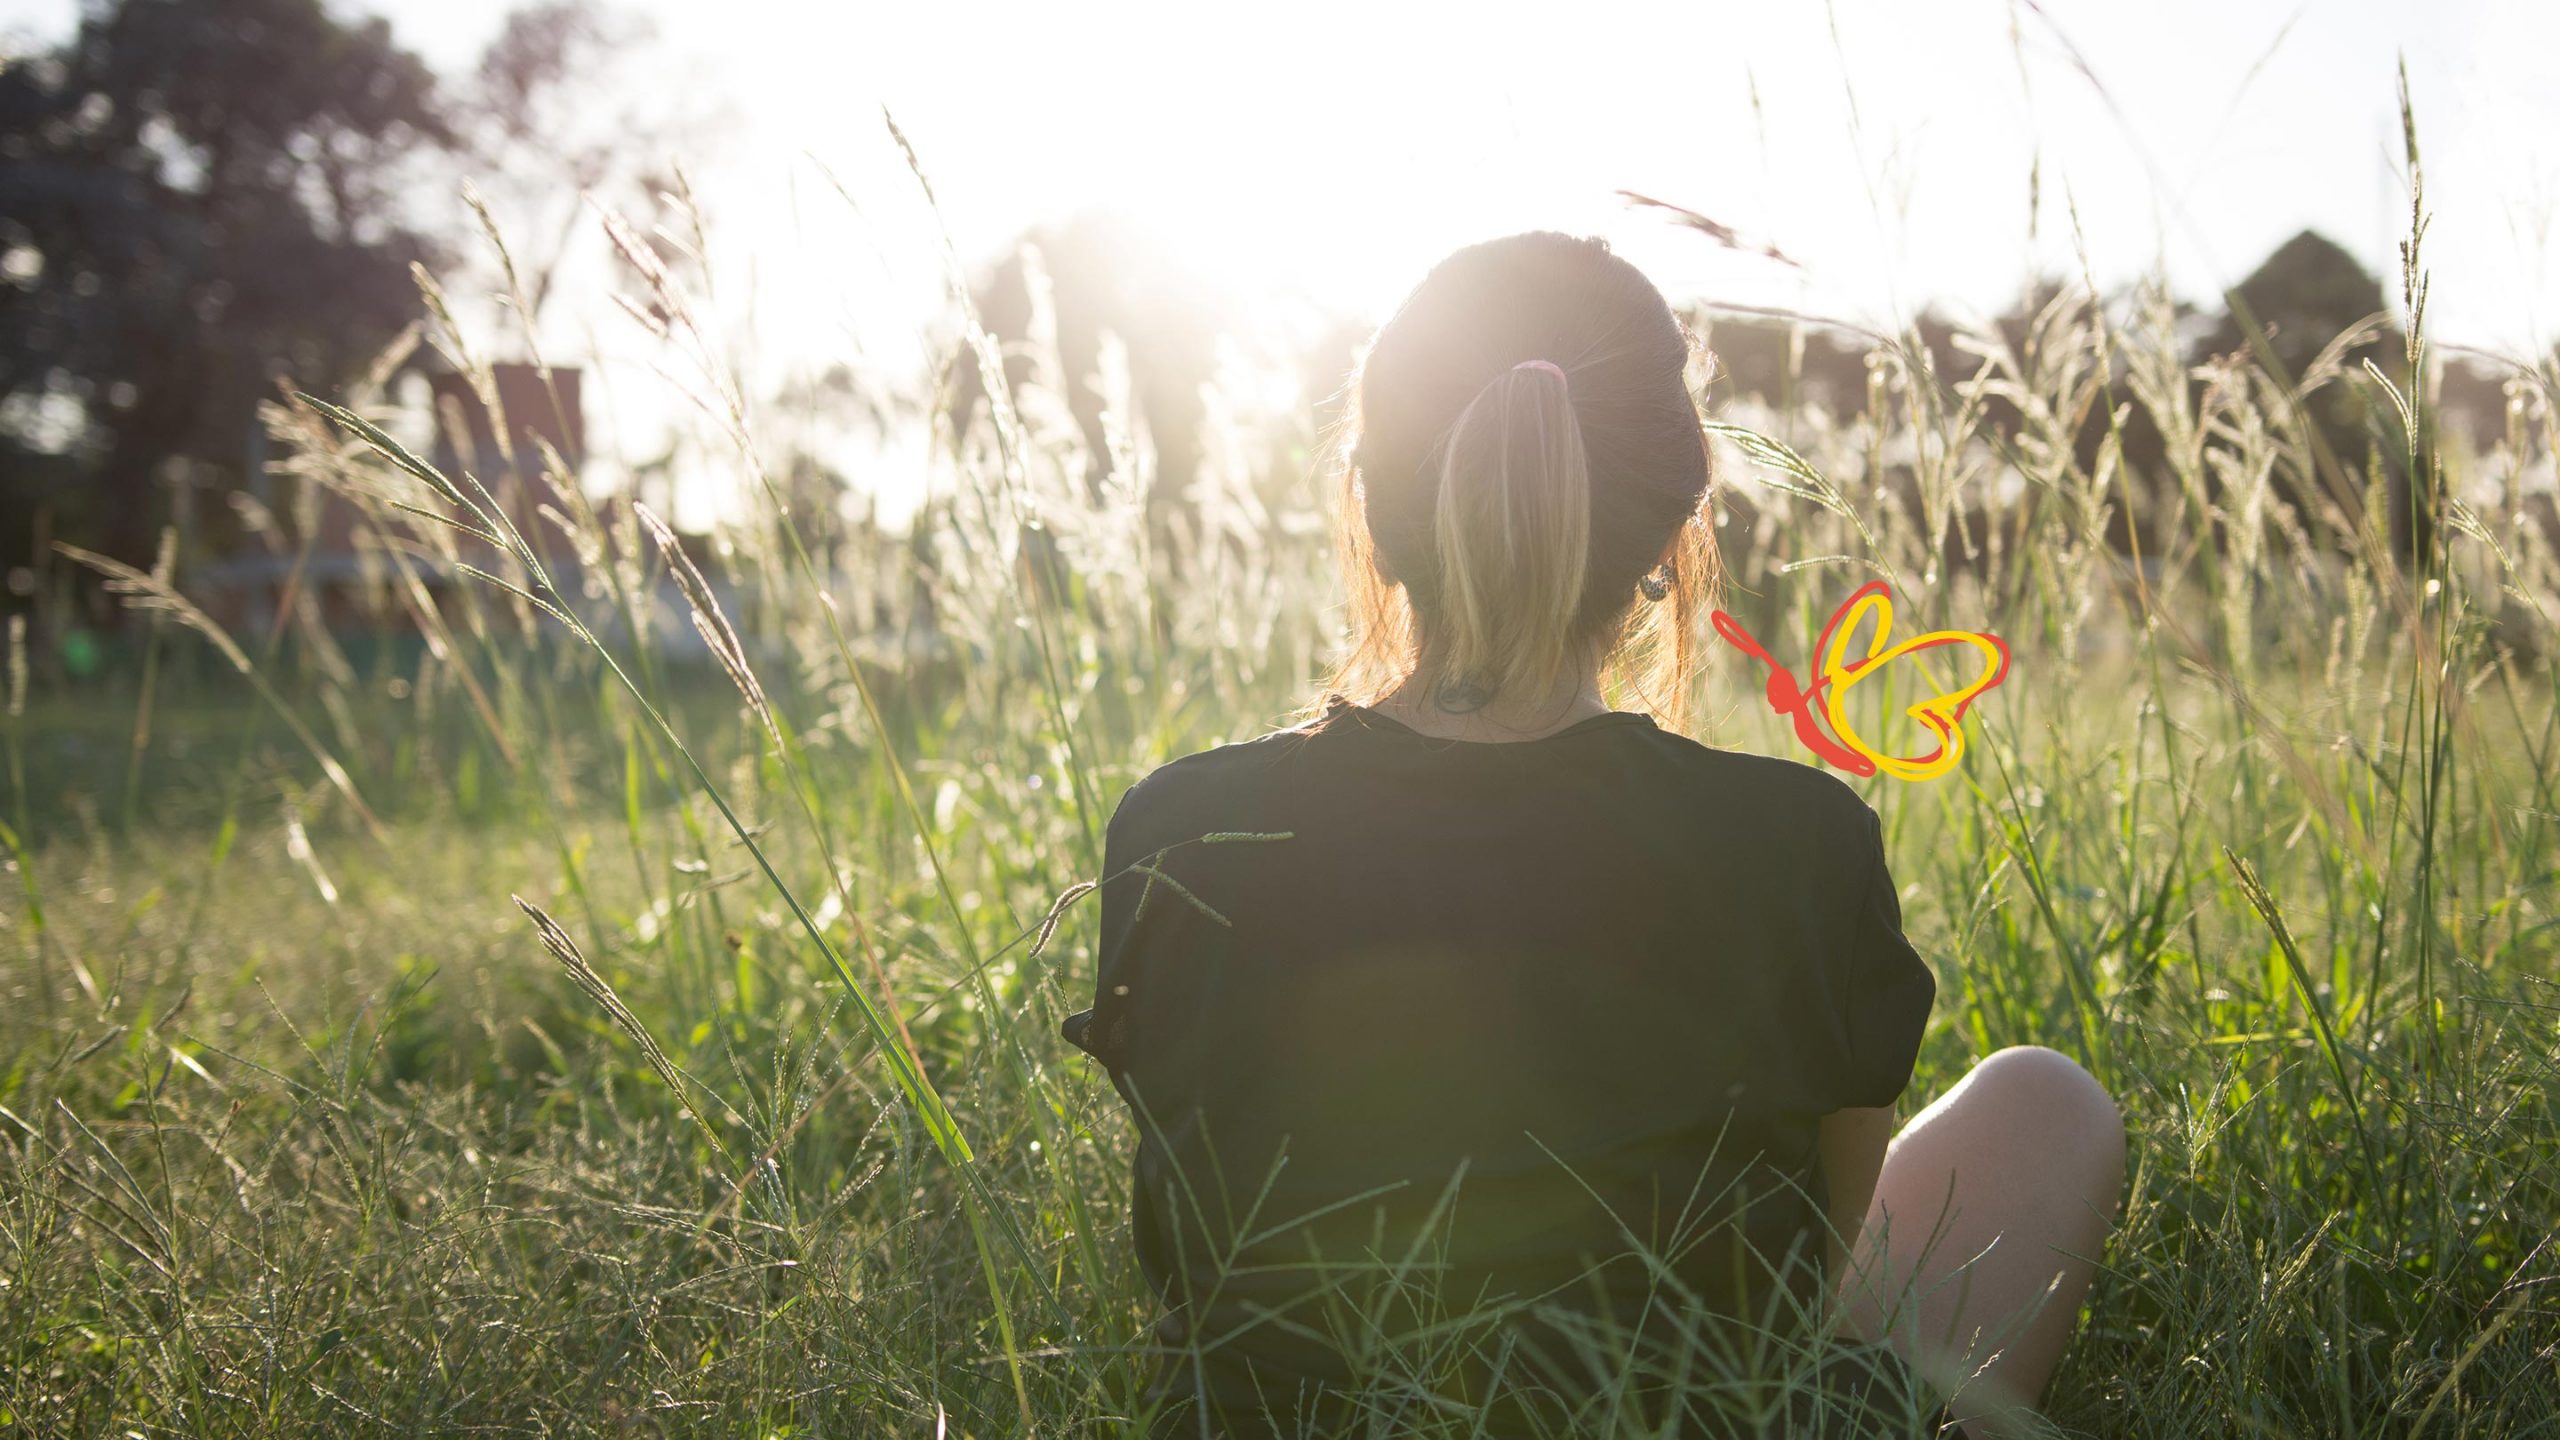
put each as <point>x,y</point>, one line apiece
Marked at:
<point>763,1127</point>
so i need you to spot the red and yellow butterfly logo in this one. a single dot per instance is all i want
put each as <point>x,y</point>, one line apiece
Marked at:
<point>1816,706</point>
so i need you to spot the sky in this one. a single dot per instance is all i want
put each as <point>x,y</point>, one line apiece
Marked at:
<point>1902,154</point>
<point>1885,146</point>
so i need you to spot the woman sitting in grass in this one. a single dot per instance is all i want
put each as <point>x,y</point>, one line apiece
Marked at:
<point>1506,1063</point>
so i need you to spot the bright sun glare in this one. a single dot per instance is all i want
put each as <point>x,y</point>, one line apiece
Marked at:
<point>1334,150</point>
<point>1325,154</point>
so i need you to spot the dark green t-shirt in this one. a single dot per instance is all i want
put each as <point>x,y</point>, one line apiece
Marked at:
<point>1489,1017</point>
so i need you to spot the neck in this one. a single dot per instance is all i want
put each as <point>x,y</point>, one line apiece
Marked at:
<point>1449,713</point>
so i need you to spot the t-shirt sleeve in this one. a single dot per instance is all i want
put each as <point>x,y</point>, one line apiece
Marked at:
<point>1102,1030</point>
<point>1879,988</point>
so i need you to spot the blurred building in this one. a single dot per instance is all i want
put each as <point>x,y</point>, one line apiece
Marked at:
<point>541,411</point>
<point>311,544</point>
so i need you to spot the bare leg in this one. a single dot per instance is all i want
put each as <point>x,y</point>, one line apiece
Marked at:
<point>1985,1231</point>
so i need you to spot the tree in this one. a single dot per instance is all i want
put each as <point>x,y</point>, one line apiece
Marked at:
<point>1103,277</point>
<point>2290,309</point>
<point>561,112</point>
<point>196,197</point>
<point>199,198</point>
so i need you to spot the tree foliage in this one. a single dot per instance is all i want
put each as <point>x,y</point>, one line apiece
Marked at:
<point>196,196</point>
<point>199,198</point>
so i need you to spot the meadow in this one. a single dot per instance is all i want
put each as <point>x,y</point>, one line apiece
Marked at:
<point>750,1115</point>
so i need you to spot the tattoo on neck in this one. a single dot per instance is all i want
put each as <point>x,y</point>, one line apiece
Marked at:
<point>1461,697</point>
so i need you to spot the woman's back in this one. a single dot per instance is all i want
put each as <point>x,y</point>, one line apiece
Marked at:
<point>1419,1027</point>
<point>1478,1076</point>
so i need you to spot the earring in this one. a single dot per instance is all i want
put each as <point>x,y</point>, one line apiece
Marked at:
<point>1657,584</point>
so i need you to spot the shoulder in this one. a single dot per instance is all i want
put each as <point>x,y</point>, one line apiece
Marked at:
<point>1198,787</point>
<point>1790,786</point>
<point>1811,818</point>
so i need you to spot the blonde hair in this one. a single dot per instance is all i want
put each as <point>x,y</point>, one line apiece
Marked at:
<point>1493,552</point>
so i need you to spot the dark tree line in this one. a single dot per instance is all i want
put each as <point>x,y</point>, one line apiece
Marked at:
<point>199,198</point>
<point>194,198</point>
<point>2281,318</point>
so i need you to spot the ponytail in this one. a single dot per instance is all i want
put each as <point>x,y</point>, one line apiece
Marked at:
<point>1512,542</point>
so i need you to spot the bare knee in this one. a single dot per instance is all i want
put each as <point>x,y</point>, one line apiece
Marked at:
<point>2026,1121</point>
<point>2043,1089</point>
